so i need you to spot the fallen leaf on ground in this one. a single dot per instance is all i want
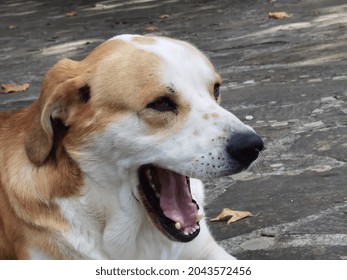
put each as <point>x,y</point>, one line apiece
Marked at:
<point>12,26</point>
<point>100,6</point>
<point>236,215</point>
<point>7,88</point>
<point>151,28</point>
<point>278,15</point>
<point>71,14</point>
<point>164,16</point>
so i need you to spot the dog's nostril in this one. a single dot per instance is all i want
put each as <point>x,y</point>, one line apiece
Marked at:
<point>245,147</point>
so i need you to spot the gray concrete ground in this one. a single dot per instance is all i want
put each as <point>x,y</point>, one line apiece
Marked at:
<point>286,78</point>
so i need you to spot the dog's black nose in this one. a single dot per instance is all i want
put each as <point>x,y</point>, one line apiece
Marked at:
<point>245,147</point>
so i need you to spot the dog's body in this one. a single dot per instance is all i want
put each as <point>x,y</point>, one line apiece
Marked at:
<point>99,166</point>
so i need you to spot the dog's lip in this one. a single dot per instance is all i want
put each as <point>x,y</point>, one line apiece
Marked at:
<point>166,197</point>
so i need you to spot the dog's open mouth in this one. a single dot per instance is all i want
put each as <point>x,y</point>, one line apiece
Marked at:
<point>167,198</point>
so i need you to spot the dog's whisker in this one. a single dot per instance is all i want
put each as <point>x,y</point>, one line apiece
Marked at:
<point>263,155</point>
<point>260,166</point>
<point>258,169</point>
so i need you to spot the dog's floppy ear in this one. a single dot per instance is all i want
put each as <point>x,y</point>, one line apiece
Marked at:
<point>61,89</point>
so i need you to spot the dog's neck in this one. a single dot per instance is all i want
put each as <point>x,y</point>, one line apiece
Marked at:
<point>110,212</point>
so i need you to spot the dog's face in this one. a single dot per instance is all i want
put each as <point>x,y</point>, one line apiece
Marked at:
<point>145,109</point>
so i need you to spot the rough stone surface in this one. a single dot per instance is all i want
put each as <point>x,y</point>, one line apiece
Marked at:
<point>286,78</point>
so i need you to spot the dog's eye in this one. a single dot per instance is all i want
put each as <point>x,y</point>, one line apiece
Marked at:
<point>216,91</point>
<point>163,104</point>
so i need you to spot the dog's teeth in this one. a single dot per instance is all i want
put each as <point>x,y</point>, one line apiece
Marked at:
<point>149,176</point>
<point>199,217</point>
<point>178,226</point>
<point>153,186</point>
<point>185,232</point>
<point>157,195</point>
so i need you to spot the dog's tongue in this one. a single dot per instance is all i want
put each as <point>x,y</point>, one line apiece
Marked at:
<point>175,198</point>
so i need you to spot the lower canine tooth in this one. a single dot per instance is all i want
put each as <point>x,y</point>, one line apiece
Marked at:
<point>199,217</point>
<point>178,226</point>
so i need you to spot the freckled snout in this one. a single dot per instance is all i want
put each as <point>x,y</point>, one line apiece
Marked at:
<point>245,147</point>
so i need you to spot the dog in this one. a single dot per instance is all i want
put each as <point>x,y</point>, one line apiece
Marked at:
<point>107,162</point>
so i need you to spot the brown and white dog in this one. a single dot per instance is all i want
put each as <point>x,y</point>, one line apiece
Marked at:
<point>101,166</point>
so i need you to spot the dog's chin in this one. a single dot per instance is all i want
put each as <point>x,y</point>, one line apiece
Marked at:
<point>167,199</point>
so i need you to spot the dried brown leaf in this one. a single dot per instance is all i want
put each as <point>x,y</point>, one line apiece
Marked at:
<point>236,215</point>
<point>100,6</point>
<point>12,26</point>
<point>278,15</point>
<point>71,14</point>
<point>151,28</point>
<point>7,88</point>
<point>165,16</point>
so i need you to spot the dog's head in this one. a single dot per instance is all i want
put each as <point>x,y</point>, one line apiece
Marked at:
<point>144,112</point>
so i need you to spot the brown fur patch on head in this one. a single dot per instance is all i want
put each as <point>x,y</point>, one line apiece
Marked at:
<point>116,78</point>
<point>128,81</point>
<point>143,40</point>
